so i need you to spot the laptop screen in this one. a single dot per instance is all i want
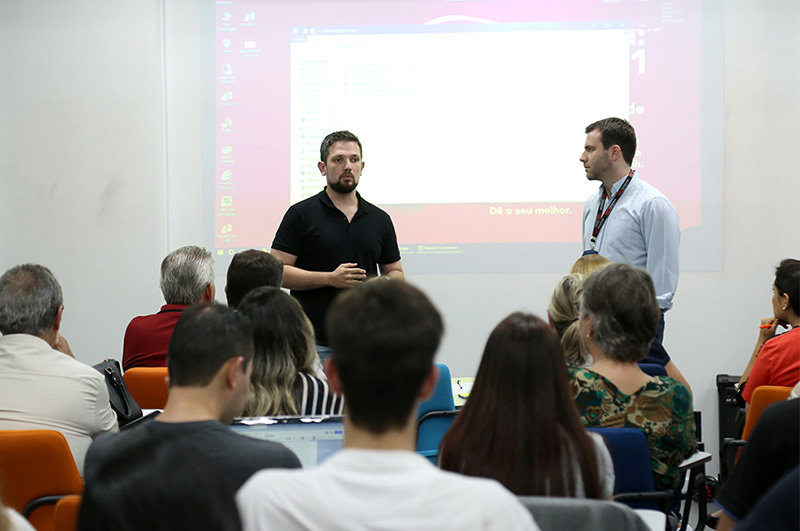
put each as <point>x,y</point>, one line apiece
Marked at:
<point>313,439</point>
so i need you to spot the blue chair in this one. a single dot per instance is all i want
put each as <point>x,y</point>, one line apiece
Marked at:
<point>435,416</point>
<point>634,484</point>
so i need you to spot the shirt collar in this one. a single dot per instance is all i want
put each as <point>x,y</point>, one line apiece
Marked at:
<point>363,207</point>
<point>617,185</point>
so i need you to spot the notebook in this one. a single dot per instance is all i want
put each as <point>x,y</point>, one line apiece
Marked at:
<point>313,439</point>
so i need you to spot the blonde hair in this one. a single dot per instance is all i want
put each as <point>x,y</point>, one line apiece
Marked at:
<point>564,311</point>
<point>284,347</point>
<point>588,263</point>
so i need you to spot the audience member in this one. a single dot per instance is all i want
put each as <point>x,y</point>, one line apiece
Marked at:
<point>283,380</point>
<point>776,359</point>
<point>42,386</point>
<point>158,484</point>
<point>520,425</point>
<point>210,360</point>
<point>586,264</point>
<point>563,312</point>
<point>187,277</point>
<point>779,508</point>
<point>619,316</point>
<point>772,450</point>
<point>383,337</point>
<point>251,269</point>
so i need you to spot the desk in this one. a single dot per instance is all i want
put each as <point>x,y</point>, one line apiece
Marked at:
<point>695,464</point>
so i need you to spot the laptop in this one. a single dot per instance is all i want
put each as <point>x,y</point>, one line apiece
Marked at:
<point>313,439</point>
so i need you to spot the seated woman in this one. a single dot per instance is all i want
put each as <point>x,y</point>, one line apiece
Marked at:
<point>283,380</point>
<point>563,312</point>
<point>520,425</point>
<point>618,320</point>
<point>776,359</point>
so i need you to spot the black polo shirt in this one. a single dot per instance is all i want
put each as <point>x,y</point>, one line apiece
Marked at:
<point>320,236</point>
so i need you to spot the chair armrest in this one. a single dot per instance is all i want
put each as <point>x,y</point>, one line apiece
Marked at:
<point>663,498</point>
<point>39,502</point>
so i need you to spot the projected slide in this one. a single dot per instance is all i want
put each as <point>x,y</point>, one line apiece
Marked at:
<point>472,117</point>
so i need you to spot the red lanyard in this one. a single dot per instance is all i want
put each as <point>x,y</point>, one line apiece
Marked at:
<point>601,216</point>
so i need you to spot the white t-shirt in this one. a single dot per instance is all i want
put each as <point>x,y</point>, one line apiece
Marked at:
<point>377,489</point>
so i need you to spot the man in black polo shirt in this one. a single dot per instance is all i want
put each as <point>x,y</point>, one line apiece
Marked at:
<point>335,240</point>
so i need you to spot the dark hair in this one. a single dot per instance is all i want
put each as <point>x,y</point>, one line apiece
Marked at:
<point>383,336</point>
<point>787,280</point>
<point>30,297</point>
<point>158,484</point>
<point>338,136</point>
<point>616,132</point>
<point>251,269</point>
<point>520,424</point>
<point>206,336</point>
<point>284,345</point>
<point>622,303</point>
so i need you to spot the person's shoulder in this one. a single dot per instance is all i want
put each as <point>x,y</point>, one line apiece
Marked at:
<point>372,208</point>
<point>496,503</point>
<point>672,393</point>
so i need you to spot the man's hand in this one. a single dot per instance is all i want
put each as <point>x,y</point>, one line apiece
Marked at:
<point>62,346</point>
<point>347,275</point>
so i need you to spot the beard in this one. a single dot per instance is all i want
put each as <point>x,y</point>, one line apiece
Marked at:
<point>343,188</point>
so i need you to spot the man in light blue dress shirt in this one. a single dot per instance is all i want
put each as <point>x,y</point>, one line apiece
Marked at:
<point>636,223</point>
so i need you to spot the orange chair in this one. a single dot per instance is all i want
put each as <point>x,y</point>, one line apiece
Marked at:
<point>36,470</point>
<point>65,516</point>
<point>763,396</point>
<point>148,386</point>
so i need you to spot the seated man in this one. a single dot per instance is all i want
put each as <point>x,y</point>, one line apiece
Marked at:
<point>251,269</point>
<point>383,337</point>
<point>210,360</point>
<point>42,386</point>
<point>772,450</point>
<point>187,277</point>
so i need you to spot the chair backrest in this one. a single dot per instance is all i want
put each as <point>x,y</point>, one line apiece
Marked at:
<point>148,386</point>
<point>653,369</point>
<point>442,398</point>
<point>631,457</point>
<point>763,396</point>
<point>65,516</point>
<point>579,514</point>
<point>36,467</point>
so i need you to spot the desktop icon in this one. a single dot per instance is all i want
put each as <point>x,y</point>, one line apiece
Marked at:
<point>226,175</point>
<point>227,150</point>
<point>227,70</point>
<point>227,123</point>
<point>250,16</point>
<point>226,201</point>
<point>226,43</point>
<point>249,44</point>
<point>227,17</point>
<point>227,96</point>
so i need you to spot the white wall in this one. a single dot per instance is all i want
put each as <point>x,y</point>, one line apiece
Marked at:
<point>91,155</point>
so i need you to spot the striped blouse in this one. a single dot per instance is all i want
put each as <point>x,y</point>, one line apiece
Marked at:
<point>314,397</point>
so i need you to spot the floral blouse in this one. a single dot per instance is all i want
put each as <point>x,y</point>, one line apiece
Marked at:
<point>662,408</point>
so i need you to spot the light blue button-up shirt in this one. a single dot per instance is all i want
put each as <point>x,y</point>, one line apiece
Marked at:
<point>642,230</point>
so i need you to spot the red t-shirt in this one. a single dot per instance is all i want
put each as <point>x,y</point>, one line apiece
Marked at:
<point>778,363</point>
<point>147,337</point>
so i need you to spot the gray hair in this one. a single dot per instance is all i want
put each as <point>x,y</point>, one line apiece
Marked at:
<point>621,301</point>
<point>185,275</point>
<point>30,297</point>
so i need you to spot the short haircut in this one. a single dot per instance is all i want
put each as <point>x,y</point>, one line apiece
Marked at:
<point>616,132</point>
<point>251,269</point>
<point>564,310</point>
<point>383,337</point>
<point>338,136</point>
<point>157,482</point>
<point>206,336</point>
<point>622,303</point>
<point>30,297</point>
<point>787,280</point>
<point>185,275</point>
